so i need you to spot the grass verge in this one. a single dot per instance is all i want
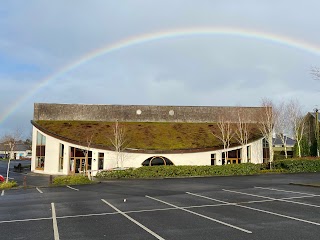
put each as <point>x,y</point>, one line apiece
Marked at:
<point>8,185</point>
<point>71,180</point>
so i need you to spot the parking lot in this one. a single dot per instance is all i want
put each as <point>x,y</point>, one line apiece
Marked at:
<point>247,207</point>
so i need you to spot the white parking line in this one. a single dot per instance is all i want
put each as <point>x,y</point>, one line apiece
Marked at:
<point>39,190</point>
<point>72,188</point>
<point>25,220</point>
<point>200,215</point>
<point>257,209</point>
<point>2,193</point>
<point>149,210</point>
<point>275,199</point>
<point>280,190</point>
<point>54,222</point>
<point>134,221</point>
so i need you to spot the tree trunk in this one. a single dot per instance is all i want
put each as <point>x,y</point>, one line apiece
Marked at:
<point>7,179</point>
<point>270,150</point>
<point>299,149</point>
<point>285,151</point>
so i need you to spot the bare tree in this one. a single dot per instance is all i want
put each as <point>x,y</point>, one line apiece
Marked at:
<point>297,122</point>
<point>225,133</point>
<point>243,128</point>
<point>315,72</point>
<point>10,141</point>
<point>267,118</point>
<point>85,151</point>
<point>282,124</point>
<point>119,142</point>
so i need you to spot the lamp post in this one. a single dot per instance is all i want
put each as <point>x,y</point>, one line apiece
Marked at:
<point>316,110</point>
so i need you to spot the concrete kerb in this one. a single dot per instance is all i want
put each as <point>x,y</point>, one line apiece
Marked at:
<point>316,185</point>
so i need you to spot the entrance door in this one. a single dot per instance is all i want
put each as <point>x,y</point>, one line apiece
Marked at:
<point>80,165</point>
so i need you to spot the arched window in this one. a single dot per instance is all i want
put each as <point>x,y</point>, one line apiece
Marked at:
<point>156,161</point>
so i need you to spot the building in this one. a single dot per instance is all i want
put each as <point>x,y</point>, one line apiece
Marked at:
<point>278,147</point>
<point>75,138</point>
<point>21,151</point>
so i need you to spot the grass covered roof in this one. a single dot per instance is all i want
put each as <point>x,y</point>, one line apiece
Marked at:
<point>141,135</point>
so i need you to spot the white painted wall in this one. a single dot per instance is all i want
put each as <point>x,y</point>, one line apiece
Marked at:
<point>130,159</point>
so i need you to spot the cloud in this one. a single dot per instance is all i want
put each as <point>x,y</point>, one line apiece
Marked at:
<point>38,38</point>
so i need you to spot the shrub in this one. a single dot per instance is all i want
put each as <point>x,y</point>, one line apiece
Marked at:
<point>8,185</point>
<point>299,165</point>
<point>71,180</point>
<point>182,171</point>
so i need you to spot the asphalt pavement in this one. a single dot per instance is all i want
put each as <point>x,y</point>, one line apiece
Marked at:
<point>240,207</point>
<point>30,179</point>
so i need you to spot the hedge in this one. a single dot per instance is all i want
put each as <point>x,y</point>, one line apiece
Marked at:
<point>182,171</point>
<point>280,166</point>
<point>299,165</point>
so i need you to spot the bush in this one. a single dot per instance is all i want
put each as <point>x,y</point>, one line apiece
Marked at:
<point>182,171</point>
<point>71,180</point>
<point>8,185</point>
<point>299,165</point>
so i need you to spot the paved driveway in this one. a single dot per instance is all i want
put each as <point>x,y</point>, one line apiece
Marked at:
<point>244,207</point>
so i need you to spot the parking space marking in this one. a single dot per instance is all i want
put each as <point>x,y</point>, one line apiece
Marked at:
<point>200,215</point>
<point>54,222</point>
<point>257,209</point>
<point>132,220</point>
<point>39,190</point>
<point>275,199</point>
<point>25,220</point>
<point>280,190</point>
<point>87,215</point>
<point>222,203</point>
<point>2,193</point>
<point>72,188</point>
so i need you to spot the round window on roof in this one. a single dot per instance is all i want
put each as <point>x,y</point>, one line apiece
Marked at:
<point>171,112</point>
<point>157,161</point>
<point>139,112</point>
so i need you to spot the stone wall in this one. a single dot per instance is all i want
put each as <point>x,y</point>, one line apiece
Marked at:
<point>140,113</point>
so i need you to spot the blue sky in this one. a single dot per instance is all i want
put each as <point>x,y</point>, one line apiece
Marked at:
<point>37,38</point>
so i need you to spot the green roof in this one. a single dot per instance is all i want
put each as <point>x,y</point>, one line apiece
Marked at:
<point>140,135</point>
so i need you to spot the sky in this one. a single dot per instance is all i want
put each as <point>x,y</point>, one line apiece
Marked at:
<point>160,52</point>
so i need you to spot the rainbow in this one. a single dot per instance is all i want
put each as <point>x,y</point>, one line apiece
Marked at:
<point>157,36</point>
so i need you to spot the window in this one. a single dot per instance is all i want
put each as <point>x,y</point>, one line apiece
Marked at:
<point>249,153</point>
<point>80,160</point>
<point>265,143</point>
<point>40,151</point>
<point>223,158</point>
<point>61,157</point>
<point>213,159</point>
<point>157,160</point>
<point>266,155</point>
<point>100,161</point>
<point>231,157</point>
